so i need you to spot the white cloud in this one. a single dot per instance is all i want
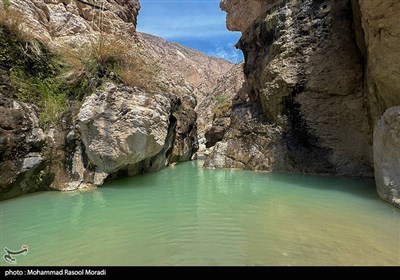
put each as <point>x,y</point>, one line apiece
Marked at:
<point>227,53</point>
<point>199,24</point>
<point>183,27</point>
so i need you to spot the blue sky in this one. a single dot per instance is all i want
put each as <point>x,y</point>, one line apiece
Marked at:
<point>199,24</point>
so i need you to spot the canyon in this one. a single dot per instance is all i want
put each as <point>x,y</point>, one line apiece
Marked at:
<point>317,93</point>
<point>109,129</point>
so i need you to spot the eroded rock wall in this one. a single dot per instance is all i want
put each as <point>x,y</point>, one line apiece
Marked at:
<point>241,14</point>
<point>117,130</point>
<point>214,110</point>
<point>123,128</point>
<point>73,22</point>
<point>22,144</point>
<point>324,79</point>
<point>379,38</point>
<point>306,71</point>
<point>380,24</point>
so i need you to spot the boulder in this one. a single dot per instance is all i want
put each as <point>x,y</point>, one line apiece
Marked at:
<point>387,155</point>
<point>121,126</point>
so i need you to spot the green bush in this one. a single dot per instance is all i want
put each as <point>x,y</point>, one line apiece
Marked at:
<point>6,3</point>
<point>35,75</point>
<point>220,99</point>
<point>222,106</point>
<point>45,92</point>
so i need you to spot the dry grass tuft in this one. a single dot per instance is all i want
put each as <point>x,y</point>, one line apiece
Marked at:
<point>117,59</point>
<point>13,20</point>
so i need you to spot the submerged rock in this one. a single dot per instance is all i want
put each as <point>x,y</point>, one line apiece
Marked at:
<point>387,156</point>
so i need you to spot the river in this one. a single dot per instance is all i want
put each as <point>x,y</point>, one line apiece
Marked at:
<point>187,215</point>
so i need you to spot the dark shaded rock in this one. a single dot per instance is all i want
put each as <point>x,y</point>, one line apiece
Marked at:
<point>21,146</point>
<point>185,143</point>
<point>217,132</point>
<point>305,70</point>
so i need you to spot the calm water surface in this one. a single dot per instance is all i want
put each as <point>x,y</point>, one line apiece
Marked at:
<point>186,215</point>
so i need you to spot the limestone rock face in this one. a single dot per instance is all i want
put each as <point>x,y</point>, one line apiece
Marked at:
<point>183,70</point>
<point>120,126</point>
<point>67,162</point>
<point>303,66</point>
<point>126,129</point>
<point>250,143</point>
<point>323,72</point>
<point>73,21</point>
<point>214,110</point>
<point>387,155</point>
<point>380,22</point>
<point>187,72</point>
<point>119,131</point>
<point>185,142</point>
<point>242,13</point>
<point>21,149</point>
<point>216,133</point>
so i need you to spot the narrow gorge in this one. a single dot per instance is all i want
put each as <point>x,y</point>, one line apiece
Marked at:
<point>126,106</point>
<point>236,155</point>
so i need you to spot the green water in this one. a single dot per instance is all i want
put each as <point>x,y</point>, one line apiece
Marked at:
<point>186,215</point>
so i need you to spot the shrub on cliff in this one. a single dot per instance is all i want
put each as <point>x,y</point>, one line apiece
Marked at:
<point>31,73</point>
<point>49,79</point>
<point>6,3</point>
<point>33,76</point>
<point>110,58</point>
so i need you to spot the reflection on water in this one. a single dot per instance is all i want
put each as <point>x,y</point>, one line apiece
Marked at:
<point>187,215</point>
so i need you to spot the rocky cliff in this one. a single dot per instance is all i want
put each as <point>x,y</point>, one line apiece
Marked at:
<point>21,146</point>
<point>243,13</point>
<point>73,21</point>
<point>214,111</point>
<point>86,99</point>
<point>183,69</point>
<point>321,73</point>
<point>186,71</point>
<point>378,38</point>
